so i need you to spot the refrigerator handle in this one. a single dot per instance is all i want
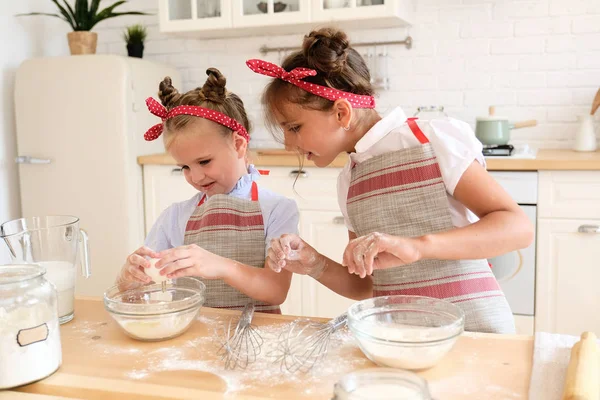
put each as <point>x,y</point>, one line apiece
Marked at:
<point>32,160</point>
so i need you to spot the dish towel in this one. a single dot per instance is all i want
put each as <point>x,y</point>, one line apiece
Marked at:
<point>551,355</point>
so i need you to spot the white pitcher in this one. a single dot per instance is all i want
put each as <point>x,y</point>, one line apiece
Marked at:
<point>52,242</point>
<point>585,138</point>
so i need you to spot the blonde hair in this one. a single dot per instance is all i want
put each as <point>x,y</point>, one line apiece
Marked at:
<point>213,95</point>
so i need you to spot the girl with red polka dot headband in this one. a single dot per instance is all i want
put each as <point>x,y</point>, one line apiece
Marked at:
<point>221,234</point>
<point>422,212</point>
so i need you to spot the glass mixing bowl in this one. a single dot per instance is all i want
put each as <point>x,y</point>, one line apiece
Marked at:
<point>408,332</point>
<point>149,314</point>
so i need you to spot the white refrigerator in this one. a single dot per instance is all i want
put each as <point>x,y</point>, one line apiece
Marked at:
<point>80,124</point>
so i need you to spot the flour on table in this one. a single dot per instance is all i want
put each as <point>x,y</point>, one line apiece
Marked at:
<point>263,370</point>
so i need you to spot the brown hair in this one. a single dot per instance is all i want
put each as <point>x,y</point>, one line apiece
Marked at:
<point>213,95</point>
<point>338,66</point>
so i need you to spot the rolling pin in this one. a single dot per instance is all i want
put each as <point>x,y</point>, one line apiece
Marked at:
<point>581,382</point>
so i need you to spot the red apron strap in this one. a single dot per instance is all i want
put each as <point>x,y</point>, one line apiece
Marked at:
<point>202,200</point>
<point>254,191</point>
<point>417,131</point>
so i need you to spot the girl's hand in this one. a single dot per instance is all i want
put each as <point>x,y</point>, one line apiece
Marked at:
<point>379,251</point>
<point>132,273</point>
<point>292,253</point>
<point>191,260</point>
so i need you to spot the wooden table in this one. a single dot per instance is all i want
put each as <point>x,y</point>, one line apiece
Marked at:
<point>100,362</point>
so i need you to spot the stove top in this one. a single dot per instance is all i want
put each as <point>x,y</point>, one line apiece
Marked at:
<point>498,150</point>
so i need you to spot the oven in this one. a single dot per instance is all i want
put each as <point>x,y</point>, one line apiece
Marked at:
<point>515,271</point>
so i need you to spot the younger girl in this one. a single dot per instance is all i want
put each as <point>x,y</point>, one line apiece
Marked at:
<point>221,234</point>
<point>421,210</point>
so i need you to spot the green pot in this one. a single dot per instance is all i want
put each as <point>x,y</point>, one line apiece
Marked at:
<point>496,130</point>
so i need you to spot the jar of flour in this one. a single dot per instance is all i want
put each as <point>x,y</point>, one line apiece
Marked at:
<point>30,347</point>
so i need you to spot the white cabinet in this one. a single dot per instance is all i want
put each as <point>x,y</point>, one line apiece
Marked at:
<point>163,186</point>
<point>321,225</point>
<point>386,13</point>
<point>568,276</point>
<point>326,232</point>
<point>238,18</point>
<point>569,194</point>
<point>568,252</point>
<point>194,15</point>
<point>254,13</point>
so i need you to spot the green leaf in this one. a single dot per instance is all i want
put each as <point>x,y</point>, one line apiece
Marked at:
<point>108,10</point>
<point>94,7</point>
<point>135,34</point>
<point>102,15</point>
<point>70,9</point>
<point>38,13</point>
<point>81,12</point>
<point>66,15</point>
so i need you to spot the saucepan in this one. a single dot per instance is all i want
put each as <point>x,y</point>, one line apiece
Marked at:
<point>492,129</point>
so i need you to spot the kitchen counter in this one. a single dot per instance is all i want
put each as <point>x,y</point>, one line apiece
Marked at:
<point>566,160</point>
<point>100,362</point>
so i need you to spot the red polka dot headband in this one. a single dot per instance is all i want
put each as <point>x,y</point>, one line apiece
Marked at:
<point>160,111</point>
<point>295,77</point>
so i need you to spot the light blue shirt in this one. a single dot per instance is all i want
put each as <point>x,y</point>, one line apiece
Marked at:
<point>280,215</point>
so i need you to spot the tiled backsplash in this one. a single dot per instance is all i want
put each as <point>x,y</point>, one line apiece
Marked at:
<point>536,59</point>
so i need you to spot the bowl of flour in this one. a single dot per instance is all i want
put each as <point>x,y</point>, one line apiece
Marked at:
<point>148,313</point>
<point>407,332</point>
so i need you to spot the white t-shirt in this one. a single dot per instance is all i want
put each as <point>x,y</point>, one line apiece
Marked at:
<point>453,142</point>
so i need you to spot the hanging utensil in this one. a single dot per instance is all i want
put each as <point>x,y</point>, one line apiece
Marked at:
<point>596,103</point>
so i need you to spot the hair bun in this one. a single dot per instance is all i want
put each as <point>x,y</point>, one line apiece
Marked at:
<point>325,50</point>
<point>167,93</point>
<point>214,88</point>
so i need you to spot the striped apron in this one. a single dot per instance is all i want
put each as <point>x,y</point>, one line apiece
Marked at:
<point>402,193</point>
<point>232,228</point>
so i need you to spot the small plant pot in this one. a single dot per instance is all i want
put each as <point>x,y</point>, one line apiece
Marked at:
<point>82,42</point>
<point>135,50</point>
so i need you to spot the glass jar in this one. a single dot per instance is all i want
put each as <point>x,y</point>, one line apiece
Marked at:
<point>430,112</point>
<point>30,347</point>
<point>381,384</point>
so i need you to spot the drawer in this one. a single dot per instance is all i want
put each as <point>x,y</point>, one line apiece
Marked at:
<point>312,188</point>
<point>521,186</point>
<point>569,194</point>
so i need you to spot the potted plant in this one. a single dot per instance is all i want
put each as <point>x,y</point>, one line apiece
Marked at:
<point>82,18</point>
<point>134,37</point>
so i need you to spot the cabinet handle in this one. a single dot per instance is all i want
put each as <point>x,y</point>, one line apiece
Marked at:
<point>589,229</point>
<point>32,160</point>
<point>339,221</point>
<point>176,171</point>
<point>299,174</point>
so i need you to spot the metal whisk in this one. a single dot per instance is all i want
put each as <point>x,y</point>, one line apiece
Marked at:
<point>305,343</point>
<point>241,345</point>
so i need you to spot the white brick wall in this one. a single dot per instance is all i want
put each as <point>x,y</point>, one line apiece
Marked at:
<point>533,59</point>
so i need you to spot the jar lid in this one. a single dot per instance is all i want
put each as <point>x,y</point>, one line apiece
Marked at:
<point>14,273</point>
<point>381,384</point>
